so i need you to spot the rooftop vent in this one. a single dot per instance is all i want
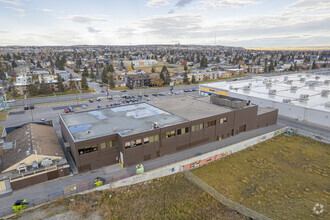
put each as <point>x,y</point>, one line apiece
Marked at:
<point>325,92</point>
<point>247,87</point>
<point>20,167</point>
<point>286,78</point>
<point>272,91</point>
<point>327,104</point>
<point>156,125</point>
<point>289,81</point>
<point>268,85</point>
<point>299,75</point>
<point>304,96</point>
<point>231,87</point>
<point>326,82</point>
<point>302,79</point>
<point>286,100</point>
<point>294,88</point>
<point>317,77</point>
<point>88,131</point>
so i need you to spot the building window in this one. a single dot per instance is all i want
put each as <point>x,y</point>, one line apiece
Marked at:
<point>182,131</point>
<point>222,120</point>
<point>146,140</point>
<point>103,145</point>
<point>156,137</point>
<point>127,144</point>
<point>88,149</point>
<point>197,127</point>
<point>138,142</point>
<point>151,139</point>
<point>113,143</point>
<point>210,123</point>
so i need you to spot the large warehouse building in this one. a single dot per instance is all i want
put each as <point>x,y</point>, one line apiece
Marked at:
<point>301,96</point>
<point>135,133</point>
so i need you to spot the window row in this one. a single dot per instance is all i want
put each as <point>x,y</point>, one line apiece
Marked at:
<point>95,147</point>
<point>138,142</point>
<point>222,120</point>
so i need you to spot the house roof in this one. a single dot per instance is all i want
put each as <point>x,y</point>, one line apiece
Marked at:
<point>28,139</point>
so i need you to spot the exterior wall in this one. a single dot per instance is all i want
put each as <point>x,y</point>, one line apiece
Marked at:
<point>39,178</point>
<point>266,119</point>
<point>207,90</point>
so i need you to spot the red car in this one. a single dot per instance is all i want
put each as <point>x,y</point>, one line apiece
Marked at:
<point>66,110</point>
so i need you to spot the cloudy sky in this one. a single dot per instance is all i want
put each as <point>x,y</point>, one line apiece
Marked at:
<point>247,23</point>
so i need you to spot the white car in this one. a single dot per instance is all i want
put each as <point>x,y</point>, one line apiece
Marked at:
<point>10,100</point>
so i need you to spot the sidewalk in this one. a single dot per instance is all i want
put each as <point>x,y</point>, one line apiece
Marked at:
<point>43,190</point>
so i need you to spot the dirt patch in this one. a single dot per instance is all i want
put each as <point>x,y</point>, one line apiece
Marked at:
<point>284,177</point>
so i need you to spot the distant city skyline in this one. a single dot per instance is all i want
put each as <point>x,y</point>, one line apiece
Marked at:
<point>244,23</point>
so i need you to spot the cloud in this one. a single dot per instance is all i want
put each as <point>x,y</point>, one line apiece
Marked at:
<point>182,3</point>
<point>11,2</point>
<point>92,30</point>
<point>230,3</point>
<point>125,32</point>
<point>157,3</point>
<point>45,10</point>
<point>171,11</point>
<point>20,10</point>
<point>309,3</point>
<point>83,18</point>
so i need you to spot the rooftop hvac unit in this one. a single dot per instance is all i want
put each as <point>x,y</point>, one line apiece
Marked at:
<point>287,100</point>
<point>46,162</point>
<point>325,92</point>
<point>231,87</point>
<point>289,81</point>
<point>156,125</point>
<point>250,84</point>
<point>272,91</point>
<point>294,88</point>
<point>299,75</point>
<point>247,87</point>
<point>317,77</point>
<point>286,78</point>
<point>302,79</point>
<point>308,75</point>
<point>326,82</point>
<point>327,104</point>
<point>304,96</point>
<point>21,166</point>
<point>268,85</point>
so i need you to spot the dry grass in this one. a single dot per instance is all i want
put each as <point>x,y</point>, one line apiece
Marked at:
<point>3,115</point>
<point>282,178</point>
<point>170,68</point>
<point>172,197</point>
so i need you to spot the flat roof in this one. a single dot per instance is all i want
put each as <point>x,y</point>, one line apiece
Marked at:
<point>282,84</point>
<point>191,108</point>
<point>124,120</point>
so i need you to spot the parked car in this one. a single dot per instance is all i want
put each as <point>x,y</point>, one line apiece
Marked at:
<point>123,90</point>
<point>99,106</point>
<point>26,107</point>
<point>140,96</point>
<point>66,110</point>
<point>161,94</point>
<point>176,93</point>
<point>98,99</point>
<point>101,85</point>
<point>42,119</point>
<point>10,100</point>
<point>70,109</point>
<point>146,95</point>
<point>103,91</point>
<point>154,94</point>
<point>84,106</point>
<point>31,106</point>
<point>91,100</point>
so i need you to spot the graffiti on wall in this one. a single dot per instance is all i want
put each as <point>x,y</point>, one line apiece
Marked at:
<point>205,161</point>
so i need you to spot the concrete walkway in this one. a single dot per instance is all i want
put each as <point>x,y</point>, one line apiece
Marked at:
<point>40,192</point>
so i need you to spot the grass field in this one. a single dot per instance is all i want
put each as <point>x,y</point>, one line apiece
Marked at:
<point>172,197</point>
<point>282,178</point>
<point>3,115</point>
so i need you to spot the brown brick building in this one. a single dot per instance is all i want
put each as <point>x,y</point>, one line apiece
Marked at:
<point>135,133</point>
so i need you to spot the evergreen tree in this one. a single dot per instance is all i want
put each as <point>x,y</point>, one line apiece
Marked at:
<point>271,66</point>
<point>60,83</point>
<point>104,76</point>
<point>111,69</point>
<point>44,87</point>
<point>185,77</point>
<point>291,68</point>
<point>185,68</point>
<point>314,65</point>
<point>84,84</point>
<point>295,66</point>
<point>14,91</point>
<point>72,83</point>
<point>122,64</point>
<point>92,75</point>
<point>217,60</point>
<point>153,69</point>
<point>112,81</point>
<point>32,89</point>
<point>165,75</point>
<point>39,65</point>
<point>13,64</point>
<point>193,80</point>
<point>265,65</point>
<point>2,75</point>
<point>203,62</point>
<point>85,72</point>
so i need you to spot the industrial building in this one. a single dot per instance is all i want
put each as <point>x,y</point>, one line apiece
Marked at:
<point>302,96</point>
<point>135,133</point>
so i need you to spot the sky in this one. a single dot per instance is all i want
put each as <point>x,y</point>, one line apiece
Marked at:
<point>245,23</point>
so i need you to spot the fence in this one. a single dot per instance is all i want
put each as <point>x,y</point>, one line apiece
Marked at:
<point>222,199</point>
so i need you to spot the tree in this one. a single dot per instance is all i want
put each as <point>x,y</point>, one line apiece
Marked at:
<point>111,69</point>
<point>13,64</point>
<point>14,91</point>
<point>92,75</point>
<point>112,81</point>
<point>193,80</point>
<point>165,75</point>
<point>85,72</point>
<point>72,84</point>
<point>291,68</point>
<point>2,75</point>
<point>185,68</point>
<point>185,77</point>
<point>44,87</point>
<point>265,65</point>
<point>271,66</point>
<point>32,89</point>
<point>314,65</point>
<point>60,83</point>
<point>104,76</point>
<point>122,64</point>
<point>84,84</point>
<point>203,63</point>
<point>156,80</point>
<point>217,60</point>
<point>153,69</point>
<point>38,64</point>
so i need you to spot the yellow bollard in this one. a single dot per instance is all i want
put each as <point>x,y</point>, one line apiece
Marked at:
<point>78,109</point>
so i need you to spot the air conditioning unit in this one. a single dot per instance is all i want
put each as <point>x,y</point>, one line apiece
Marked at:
<point>325,92</point>
<point>46,162</point>
<point>21,166</point>
<point>302,79</point>
<point>155,125</point>
<point>247,87</point>
<point>231,87</point>
<point>289,81</point>
<point>299,75</point>
<point>326,82</point>
<point>304,96</point>
<point>286,100</point>
<point>317,77</point>
<point>268,85</point>
<point>272,91</point>
<point>327,104</point>
<point>293,88</point>
<point>286,78</point>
